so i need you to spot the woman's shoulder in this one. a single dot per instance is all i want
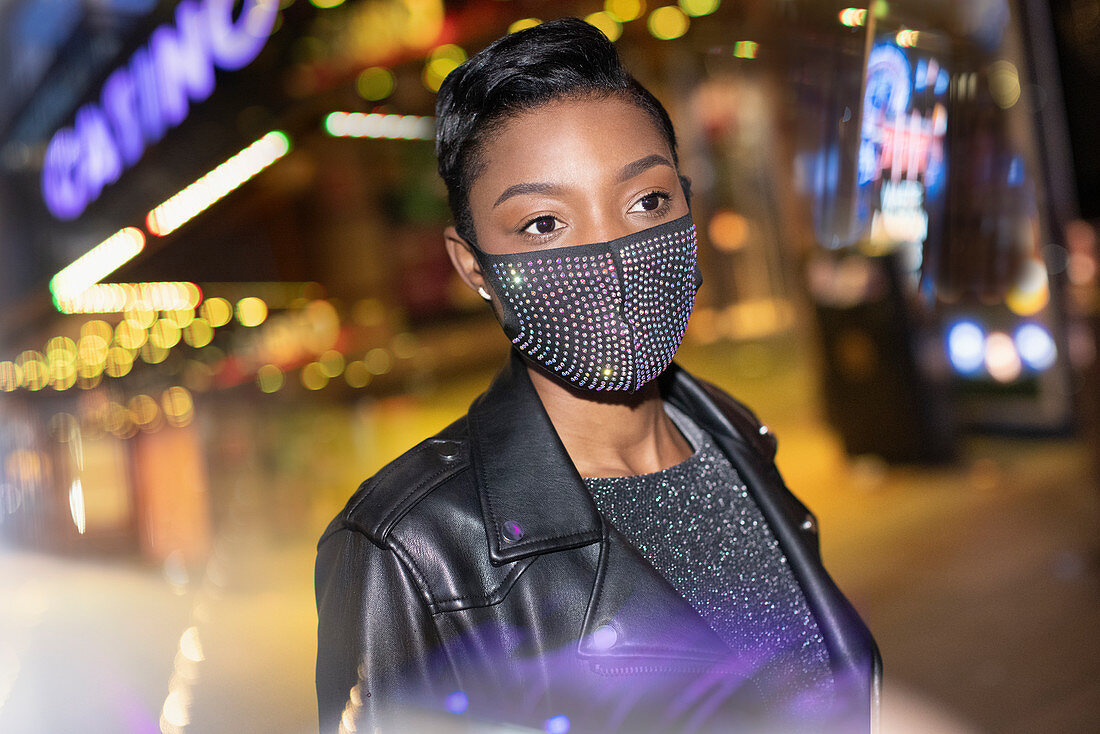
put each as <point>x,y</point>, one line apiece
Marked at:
<point>382,501</point>
<point>425,509</point>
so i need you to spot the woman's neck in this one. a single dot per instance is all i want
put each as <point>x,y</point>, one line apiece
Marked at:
<point>611,437</point>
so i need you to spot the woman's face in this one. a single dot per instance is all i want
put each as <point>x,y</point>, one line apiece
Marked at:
<point>573,172</point>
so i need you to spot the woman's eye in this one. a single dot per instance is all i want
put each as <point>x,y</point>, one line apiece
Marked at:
<point>541,225</point>
<point>650,202</point>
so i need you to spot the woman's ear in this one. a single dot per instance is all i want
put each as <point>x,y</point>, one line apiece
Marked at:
<point>462,258</point>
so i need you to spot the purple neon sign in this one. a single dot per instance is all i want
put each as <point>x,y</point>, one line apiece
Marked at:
<point>150,95</point>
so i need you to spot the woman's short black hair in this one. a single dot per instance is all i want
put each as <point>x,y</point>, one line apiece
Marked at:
<point>553,60</point>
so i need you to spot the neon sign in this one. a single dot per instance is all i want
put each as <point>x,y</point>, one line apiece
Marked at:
<point>902,147</point>
<point>150,95</point>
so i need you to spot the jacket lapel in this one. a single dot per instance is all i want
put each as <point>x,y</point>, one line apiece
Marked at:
<point>532,498</point>
<point>636,617</point>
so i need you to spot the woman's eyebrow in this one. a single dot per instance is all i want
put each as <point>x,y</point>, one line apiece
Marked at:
<point>527,188</point>
<point>630,170</point>
<point>627,172</point>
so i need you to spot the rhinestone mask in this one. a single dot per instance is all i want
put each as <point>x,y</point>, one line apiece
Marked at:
<point>606,316</point>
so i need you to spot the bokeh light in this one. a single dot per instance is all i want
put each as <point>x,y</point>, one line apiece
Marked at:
<point>152,353</point>
<point>11,376</point>
<point>146,413</point>
<point>91,355</point>
<point>190,645</point>
<point>728,230</point>
<point>442,61</point>
<point>625,10</point>
<point>97,327</point>
<point>251,311</point>
<point>698,8</point>
<point>523,24</point>
<point>1036,346</point>
<point>140,317</point>
<point>1002,361</point>
<point>129,336</point>
<point>270,378</point>
<point>76,505</point>
<point>198,333</point>
<point>1031,292</point>
<point>62,374</point>
<point>607,23</point>
<point>36,375</point>
<point>116,297</point>
<point>97,263</point>
<point>404,345</point>
<point>196,198</point>
<point>745,49</point>
<point>377,125</point>
<point>853,17</point>
<point>668,22</point>
<point>165,334</point>
<point>181,317</point>
<point>375,83</point>
<point>61,348</point>
<point>179,407</point>
<point>175,711</point>
<point>119,362</point>
<point>332,363</point>
<point>378,361</point>
<point>326,4</point>
<point>313,376</point>
<point>559,724</point>
<point>966,346</point>
<point>356,374</point>
<point>907,38</point>
<point>216,311</point>
<point>1004,83</point>
<point>61,358</point>
<point>456,702</point>
<point>322,324</point>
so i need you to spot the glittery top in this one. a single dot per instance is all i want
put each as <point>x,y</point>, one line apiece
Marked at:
<point>697,524</point>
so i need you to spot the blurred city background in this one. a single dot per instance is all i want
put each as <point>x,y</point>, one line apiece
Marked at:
<point>224,302</point>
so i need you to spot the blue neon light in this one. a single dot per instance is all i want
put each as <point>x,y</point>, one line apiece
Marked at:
<point>150,95</point>
<point>966,346</point>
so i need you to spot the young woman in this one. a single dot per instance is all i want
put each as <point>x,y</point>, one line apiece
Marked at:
<point>603,543</point>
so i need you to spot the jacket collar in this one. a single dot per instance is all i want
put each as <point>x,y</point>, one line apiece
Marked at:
<point>532,498</point>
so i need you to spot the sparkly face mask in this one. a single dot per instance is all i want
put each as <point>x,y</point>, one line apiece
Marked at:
<point>606,316</point>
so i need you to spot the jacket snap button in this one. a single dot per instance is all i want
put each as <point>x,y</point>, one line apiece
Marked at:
<point>447,450</point>
<point>604,637</point>
<point>809,525</point>
<point>512,530</point>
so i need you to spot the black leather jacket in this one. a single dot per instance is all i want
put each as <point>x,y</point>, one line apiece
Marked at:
<point>474,574</point>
